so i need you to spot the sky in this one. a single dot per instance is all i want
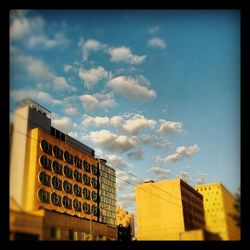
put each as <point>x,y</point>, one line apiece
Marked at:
<point>155,92</point>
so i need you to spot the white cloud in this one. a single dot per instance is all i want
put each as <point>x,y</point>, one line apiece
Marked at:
<point>161,173</point>
<point>157,43</point>
<point>62,123</point>
<point>98,100</point>
<point>136,155</point>
<point>116,161</point>
<point>88,46</point>
<point>92,76</point>
<point>89,102</point>
<point>184,175</point>
<point>124,180</point>
<point>40,96</point>
<point>131,87</point>
<point>111,141</point>
<point>70,110</point>
<point>67,68</point>
<point>42,41</point>
<point>181,152</point>
<point>61,84</point>
<point>124,54</point>
<point>188,151</point>
<point>168,126</point>
<point>97,121</point>
<point>154,29</point>
<point>201,179</point>
<point>163,144</point>
<point>73,134</point>
<point>116,121</point>
<point>138,122</point>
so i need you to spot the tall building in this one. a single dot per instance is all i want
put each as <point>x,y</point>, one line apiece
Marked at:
<point>58,177</point>
<point>219,208</point>
<point>167,210</point>
<point>125,218</point>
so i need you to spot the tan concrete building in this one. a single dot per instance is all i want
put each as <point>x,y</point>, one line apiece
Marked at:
<point>125,218</point>
<point>166,209</point>
<point>56,176</point>
<point>219,208</point>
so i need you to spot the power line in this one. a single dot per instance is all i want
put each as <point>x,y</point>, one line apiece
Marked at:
<point>116,176</point>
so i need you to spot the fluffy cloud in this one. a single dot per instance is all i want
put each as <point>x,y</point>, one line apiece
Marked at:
<point>161,173</point>
<point>61,84</point>
<point>157,43</point>
<point>67,68</point>
<point>88,46</point>
<point>89,102</point>
<point>187,151</point>
<point>163,144</point>
<point>138,122</point>
<point>181,152</point>
<point>63,123</point>
<point>91,77</point>
<point>184,175</point>
<point>97,121</point>
<point>168,126</point>
<point>201,179</point>
<point>123,179</point>
<point>124,54</point>
<point>40,96</point>
<point>111,141</point>
<point>131,87</point>
<point>71,110</point>
<point>98,100</point>
<point>73,134</point>
<point>116,161</point>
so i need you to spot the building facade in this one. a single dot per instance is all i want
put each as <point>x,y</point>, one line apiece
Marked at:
<point>53,172</point>
<point>166,209</point>
<point>125,218</point>
<point>219,208</point>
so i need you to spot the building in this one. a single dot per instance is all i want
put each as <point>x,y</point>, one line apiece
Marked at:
<point>125,219</point>
<point>58,177</point>
<point>166,210</point>
<point>219,208</point>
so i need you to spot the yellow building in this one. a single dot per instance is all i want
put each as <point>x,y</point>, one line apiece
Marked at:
<point>166,209</point>
<point>125,218</point>
<point>219,206</point>
<point>51,171</point>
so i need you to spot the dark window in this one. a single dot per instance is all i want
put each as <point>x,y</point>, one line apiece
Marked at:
<point>68,157</point>
<point>94,196</point>
<point>66,202</point>
<point>42,195</point>
<point>86,207</point>
<point>52,232</point>
<point>44,178</point>
<point>53,131</point>
<point>77,205</point>
<point>67,187</point>
<point>55,199</point>
<point>86,166</point>
<point>77,176</point>
<point>56,183</point>
<point>77,190</point>
<point>67,172</point>
<point>86,193</point>
<point>94,210</point>
<point>94,182</point>
<point>58,153</point>
<point>58,134</point>
<point>46,147</point>
<point>71,235</point>
<point>45,162</point>
<point>62,136</point>
<point>86,179</point>
<point>94,169</point>
<point>57,168</point>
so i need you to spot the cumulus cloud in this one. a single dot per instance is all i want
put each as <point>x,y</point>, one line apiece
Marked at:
<point>201,179</point>
<point>157,43</point>
<point>163,144</point>
<point>70,110</point>
<point>73,134</point>
<point>62,84</point>
<point>92,76</point>
<point>39,96</point>
<point>88,46</point>
<point>96,121</point>
<point>184,175</point>
<point>124,54</point>
<point>161,173</point>
<point>181,152</point>
<point>123,179</point>
<point>169,126</point>
<point>116,161</point>
<point>112,141</point>
<point>136,155</point>
<point>138,122</point>
<point>131,88</point>
<point>62,123</point>
<point>67,68</point>
<point>99,100</point>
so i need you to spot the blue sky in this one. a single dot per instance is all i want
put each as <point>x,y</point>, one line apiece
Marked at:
<point>156,92</point>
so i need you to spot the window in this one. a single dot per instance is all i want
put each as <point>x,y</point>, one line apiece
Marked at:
<point>66,202</point>
<point>71,235</point>
<point>86,193</point>
<point>54,233</point>
<point>86,179</point>
<point>94,196</point>
<point>94,169</point>
<point>94,182</point>
<point>86,166</point>
<point>77,205</point>
<point>67,187</point>
<point>67,172</point>
<point>77,162</point>
<point>46,147</point>
<point>57,168</point>
<point>68,157</point>
<point>44,178</point>
<point>94,210</point>
<point>86,207</point>
<point>77,190</point>
<point>42,195</point>
<point>77,176</point>
<point>57,152</point>
<point>55,199</point>
<point>56,183</point>
<point>45,162</point>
